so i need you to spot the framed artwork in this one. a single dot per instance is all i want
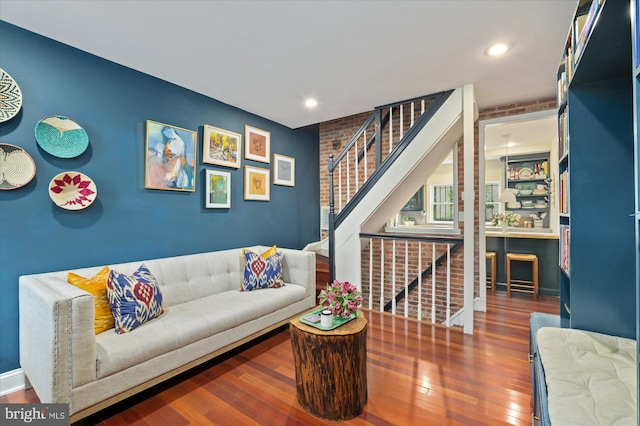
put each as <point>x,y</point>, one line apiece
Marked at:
<point>284,170</point>
<point>218,193</point>
<point>257,144</point>
<point>170,161</point>
<point>256,183</point>
<point>221,147</point>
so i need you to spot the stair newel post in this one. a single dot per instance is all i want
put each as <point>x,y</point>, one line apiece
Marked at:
<point>332,217</point>
<point>378,129</point>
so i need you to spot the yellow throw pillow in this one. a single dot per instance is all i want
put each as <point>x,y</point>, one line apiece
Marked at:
<point>97,286</point>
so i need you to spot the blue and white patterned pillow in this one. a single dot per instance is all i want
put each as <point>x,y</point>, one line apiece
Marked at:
<point>134,299</point>
<point>261,271</point>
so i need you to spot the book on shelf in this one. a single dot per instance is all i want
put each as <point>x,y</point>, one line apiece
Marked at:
<point>564,192</point>
<point>562,88</point>
<point>585,27</point>
<point>563,134</point>
<point>565,247</point>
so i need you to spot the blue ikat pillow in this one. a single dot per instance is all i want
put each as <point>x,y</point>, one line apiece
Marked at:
<point>133,299</point>
<point>262,271</point>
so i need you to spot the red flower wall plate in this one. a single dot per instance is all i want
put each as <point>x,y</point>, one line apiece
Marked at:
<point>72,190</point>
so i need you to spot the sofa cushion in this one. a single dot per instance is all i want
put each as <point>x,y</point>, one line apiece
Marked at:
<point>97,286</point>
<point>261,271</point>
<point>134,299</point>
<point>188,323</point>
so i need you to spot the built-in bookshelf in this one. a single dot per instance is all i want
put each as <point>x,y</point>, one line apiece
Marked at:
<point>597,252</point>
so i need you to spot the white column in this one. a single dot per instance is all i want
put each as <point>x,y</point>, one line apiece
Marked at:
<point>468,117</point>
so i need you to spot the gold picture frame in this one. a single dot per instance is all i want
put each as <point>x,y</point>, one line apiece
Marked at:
<point>257,144</point>
<point>170,157</point>
<point>257,183</point>
<point>221,147</point>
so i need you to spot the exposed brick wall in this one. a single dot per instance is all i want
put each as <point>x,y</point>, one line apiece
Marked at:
<point>342,130</point>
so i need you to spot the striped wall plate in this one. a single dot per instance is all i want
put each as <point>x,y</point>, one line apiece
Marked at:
<point>10,97</point>
<point>17,168</point>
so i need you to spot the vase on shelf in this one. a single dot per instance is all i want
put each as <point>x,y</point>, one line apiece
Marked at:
<point>504,225</point>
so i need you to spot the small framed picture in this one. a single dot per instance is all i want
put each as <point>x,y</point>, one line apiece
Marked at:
<point>170,160</point>
<point>221,147</point>
<point>257,144</point>
<point>256,183</point>
<point>218,193</point>
<point>284,170</point>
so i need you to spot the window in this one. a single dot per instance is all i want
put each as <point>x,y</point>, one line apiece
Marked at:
<point>491,197</point>
<point>439,202</point>
<point>443,203</point>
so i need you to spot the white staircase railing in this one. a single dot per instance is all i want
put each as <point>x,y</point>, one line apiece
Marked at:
<point>420,275</point>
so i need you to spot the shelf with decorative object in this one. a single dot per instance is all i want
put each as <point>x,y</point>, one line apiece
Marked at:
<point>529,180</point>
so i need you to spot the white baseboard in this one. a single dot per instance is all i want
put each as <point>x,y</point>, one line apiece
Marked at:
<point>11,381</point>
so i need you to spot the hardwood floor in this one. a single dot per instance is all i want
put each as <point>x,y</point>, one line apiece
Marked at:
<point>418,374</point>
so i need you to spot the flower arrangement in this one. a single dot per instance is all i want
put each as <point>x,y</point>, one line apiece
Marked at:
<point>341,298</point>
<point>511,219</point>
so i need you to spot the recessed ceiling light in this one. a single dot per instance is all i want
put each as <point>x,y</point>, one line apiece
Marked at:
<point>497,49</point>
<point>311,103</point>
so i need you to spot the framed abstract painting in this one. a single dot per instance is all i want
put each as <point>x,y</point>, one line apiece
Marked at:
<point>170,160</point>
<point>284,170</point>
<point>256,183</point>
<point>221,147</point>
<point>218,193</point>
<point>257,144</point>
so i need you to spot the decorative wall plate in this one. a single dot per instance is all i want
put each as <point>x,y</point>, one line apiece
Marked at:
<point>16,167</point>
<point>72,190</point>
<point>10,97</point>
<point>61,137</point>
<point>525,173</point>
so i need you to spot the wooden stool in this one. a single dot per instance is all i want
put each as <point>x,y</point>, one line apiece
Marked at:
<point>523,286</point>
<point>491,255</point>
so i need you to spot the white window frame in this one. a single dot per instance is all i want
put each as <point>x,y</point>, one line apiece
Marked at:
<point>499,204</point>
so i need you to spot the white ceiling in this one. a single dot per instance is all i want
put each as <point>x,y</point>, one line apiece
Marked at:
<point>524,135</point>
<point>267,57</point>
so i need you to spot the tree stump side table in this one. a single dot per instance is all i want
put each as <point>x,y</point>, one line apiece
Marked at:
<point>331,368</point>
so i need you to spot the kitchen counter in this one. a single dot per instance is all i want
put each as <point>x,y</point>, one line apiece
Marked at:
<point>521,233</point>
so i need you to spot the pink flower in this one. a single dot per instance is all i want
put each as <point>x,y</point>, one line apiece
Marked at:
<point>341,298</point>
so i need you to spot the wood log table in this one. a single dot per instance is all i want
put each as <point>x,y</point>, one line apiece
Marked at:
<point>331,368</point>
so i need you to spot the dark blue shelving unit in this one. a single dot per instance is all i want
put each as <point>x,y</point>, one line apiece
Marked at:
<point>599,291</point>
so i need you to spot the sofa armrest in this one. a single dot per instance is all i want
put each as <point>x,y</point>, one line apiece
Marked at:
<point>57,338</point>
<point>299,267</point>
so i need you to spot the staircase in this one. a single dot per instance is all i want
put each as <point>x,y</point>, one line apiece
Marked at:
<point>385,163</point>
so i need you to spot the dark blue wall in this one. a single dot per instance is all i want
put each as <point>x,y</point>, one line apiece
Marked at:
<point>128,222</point>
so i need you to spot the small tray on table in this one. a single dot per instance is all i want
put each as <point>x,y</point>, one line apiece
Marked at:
<point>337,321</point>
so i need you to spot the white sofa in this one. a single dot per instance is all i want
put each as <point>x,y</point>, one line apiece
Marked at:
<point>205,315</point>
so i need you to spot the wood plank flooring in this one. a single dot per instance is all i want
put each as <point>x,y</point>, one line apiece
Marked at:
<point>418,374</point>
